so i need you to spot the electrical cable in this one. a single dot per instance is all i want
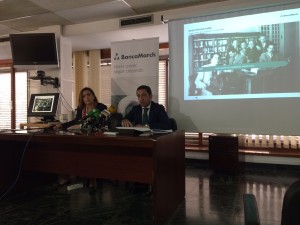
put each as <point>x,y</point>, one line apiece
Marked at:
<point>64,100</point>
<point>19,170</point>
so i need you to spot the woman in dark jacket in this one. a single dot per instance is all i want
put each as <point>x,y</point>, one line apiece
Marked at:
<point>87,102</point>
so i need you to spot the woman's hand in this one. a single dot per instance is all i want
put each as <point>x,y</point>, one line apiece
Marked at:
<point>57,126</point>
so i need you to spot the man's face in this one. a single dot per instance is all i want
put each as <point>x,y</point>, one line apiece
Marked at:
<point>143,97</point>
<point>251,44</point>
<point>231,54</point>
<point>243,45</point>
<point>215,59</point>
<point>270,48</point>
<point>235,43</point>
<point>262,39</point>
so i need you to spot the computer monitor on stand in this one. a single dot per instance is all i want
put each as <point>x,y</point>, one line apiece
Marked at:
<point>44,106</point>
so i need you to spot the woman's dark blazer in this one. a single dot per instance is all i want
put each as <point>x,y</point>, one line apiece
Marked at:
<point>78,117</point>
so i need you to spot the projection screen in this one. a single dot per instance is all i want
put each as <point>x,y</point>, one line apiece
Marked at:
<point>237,72</point>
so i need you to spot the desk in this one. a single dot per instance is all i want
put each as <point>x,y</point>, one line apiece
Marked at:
<point>159,161</point>
<point>35,125</point>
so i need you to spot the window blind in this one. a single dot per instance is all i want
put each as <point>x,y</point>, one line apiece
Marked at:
<point>5,100</point>
<point>21,98</point>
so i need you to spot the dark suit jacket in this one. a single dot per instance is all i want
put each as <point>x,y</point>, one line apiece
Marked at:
<point>78,117</point>
<point>158,117</point>
<point>265,57</point>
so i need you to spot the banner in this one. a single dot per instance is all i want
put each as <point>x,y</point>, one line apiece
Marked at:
<point>134,63</point>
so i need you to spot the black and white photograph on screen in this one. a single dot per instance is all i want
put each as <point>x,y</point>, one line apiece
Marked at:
<point>42,104</point>
<point>260,60</point>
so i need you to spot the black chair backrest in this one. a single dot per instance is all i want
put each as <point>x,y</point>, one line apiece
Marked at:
<point>114,120</point>
<point>290,214</point>
<point>173,124</point>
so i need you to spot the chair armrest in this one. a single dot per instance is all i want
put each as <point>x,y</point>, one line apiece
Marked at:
<point>250,210</point>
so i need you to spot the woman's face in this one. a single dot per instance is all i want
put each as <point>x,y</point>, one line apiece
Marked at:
<point>87,97</point>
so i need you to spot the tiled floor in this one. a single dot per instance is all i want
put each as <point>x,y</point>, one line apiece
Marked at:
<point>212,198</point>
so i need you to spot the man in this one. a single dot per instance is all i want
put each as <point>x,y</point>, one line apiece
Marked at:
<point>203,79</point>
<point>252,53</point>
<point>155,116</point>
<point>269,55</point>
<point>262,43</point>
<point>236,58</point>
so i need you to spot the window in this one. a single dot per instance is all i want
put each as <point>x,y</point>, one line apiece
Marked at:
<point>6,101</point>
<point>21,98</point>
<point>163,83</point>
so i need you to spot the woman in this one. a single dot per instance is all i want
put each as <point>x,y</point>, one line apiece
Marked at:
<point>86,103</point>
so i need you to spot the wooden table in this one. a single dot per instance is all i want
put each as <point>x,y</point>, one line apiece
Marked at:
<point>35,125</point>
<point>159,161</point>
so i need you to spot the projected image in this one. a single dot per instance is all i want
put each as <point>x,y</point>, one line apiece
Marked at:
<point>247,59</point>
<point>43,104</point>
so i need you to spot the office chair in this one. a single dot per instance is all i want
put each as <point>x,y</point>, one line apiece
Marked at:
<point>173,124</point>
<point>290,213</point>
<point>115,120</point>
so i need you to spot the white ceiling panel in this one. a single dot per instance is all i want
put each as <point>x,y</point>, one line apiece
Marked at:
<point>104,39</point>
<point>14,13</point>
<point>34,22</point>
<point>103,11</point>
<point>31,15</point>
<point>59,5</point>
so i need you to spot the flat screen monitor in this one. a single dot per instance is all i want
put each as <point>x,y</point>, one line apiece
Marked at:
<point>44,106</point>
<point>34,50</point>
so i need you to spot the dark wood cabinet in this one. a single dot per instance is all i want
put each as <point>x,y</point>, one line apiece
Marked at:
<point>223,153</point>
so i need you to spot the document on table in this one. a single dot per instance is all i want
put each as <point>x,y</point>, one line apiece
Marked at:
<point>158,131</point>
<point>141,129</point>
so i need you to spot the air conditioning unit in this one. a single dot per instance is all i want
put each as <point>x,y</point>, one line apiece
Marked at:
<point>136,21</point>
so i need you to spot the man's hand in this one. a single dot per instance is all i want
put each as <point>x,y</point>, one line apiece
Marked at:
<point>126,123</point>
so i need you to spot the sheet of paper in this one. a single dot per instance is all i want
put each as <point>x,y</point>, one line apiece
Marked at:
<point>142,129</point>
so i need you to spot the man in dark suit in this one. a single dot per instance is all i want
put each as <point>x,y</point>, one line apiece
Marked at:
<point>262,43</point>
<point>147,113</point>
<point>270,54</point>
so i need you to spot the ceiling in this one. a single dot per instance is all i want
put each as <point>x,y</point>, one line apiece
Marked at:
<point>30,15</point>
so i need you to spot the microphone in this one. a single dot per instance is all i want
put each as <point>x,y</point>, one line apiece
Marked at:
<point>96,119</point>
<point>112,109</point>
<point>95,114</point>
<point>105,114</point>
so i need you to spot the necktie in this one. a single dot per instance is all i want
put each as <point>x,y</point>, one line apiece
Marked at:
<point>145,116</point>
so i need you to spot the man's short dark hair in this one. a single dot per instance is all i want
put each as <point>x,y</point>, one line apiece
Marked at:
<point>145,87</point>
